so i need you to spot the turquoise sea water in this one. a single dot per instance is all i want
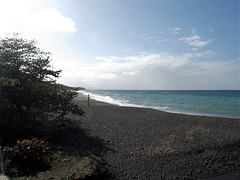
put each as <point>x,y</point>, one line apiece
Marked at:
<point>210,103</point>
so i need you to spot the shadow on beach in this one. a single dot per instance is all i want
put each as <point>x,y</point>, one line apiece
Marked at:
<point>79,153</point>
<point>73,138</point>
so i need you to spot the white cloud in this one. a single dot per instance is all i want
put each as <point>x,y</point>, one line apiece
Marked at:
<point>29,16</point>
<point>193,31</point>
<point>133,73</point>
<point>149,71</point>
<point>175,30</point>
<point>161,40</point>
<point>33,19</point>
<point>211,29</point>
<point>48,20</point>
<point>195,41</point>
<point>155,37</point>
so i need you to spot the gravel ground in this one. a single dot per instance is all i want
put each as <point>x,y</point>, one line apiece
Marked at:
<point>151,144</point>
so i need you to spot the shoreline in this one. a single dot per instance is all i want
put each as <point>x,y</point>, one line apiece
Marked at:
<point>152,144</point>
<point>158,109</point>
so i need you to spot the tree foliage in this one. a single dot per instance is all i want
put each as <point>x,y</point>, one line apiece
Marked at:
<point>28,82</point>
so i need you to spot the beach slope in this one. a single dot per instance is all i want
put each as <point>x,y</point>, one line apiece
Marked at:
<point>151,144</point>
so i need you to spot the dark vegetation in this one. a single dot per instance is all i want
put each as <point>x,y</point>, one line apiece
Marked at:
<point>28,83</point>
<point>33,111</point>
<point>72,88</point>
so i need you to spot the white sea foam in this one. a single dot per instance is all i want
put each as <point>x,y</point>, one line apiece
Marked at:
<point>119,102</point>
<point>106,99</point>
<point>208,103</point>
<point>124,103</point>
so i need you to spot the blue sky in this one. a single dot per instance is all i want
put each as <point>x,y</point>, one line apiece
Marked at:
<point>133,44</point>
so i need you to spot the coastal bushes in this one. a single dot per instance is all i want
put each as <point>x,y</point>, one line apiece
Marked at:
<point>28,85</point>
<point>32,104</point>
<point>27,155</point>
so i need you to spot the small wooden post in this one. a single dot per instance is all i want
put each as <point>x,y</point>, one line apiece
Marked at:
<point>88,99</point>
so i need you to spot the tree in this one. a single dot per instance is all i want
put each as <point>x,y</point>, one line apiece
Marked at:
<point>28,82</point>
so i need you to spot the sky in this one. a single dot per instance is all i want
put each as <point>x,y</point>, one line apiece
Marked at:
<point>133,44</point>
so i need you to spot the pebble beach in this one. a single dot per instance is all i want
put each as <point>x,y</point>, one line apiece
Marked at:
<point>151,144</point>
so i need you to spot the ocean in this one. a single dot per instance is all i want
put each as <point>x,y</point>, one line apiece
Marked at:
<point>219,103</point>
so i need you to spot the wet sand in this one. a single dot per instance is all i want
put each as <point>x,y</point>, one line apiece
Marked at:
<point>151,144</point>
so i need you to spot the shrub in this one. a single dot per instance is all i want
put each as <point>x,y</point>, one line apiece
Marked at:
<point>27,156</point>
<point>28,85</point>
